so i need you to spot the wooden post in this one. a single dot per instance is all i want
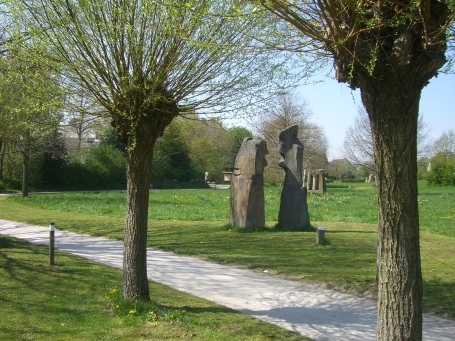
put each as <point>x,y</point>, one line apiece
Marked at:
<point>51,243</point>
<point>320,235</point>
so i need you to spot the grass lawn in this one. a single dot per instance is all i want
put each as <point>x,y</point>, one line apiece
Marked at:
<point>194,222</point>
<point>79,300</point>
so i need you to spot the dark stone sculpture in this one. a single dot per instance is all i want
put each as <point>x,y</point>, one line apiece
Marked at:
<point>293,212</point>
<point>247,184</point>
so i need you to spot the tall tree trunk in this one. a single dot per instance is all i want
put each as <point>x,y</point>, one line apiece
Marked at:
<point>140,138</point>
<point>25,170</point>
<point>393,104</point>
<point>135,282</point>
<point>2,157</point>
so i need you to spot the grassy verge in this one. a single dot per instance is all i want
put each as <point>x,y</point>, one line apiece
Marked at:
<point>78,300</point>
<point>344,202</point>
<point>346,262</point>
<point>193,222</point>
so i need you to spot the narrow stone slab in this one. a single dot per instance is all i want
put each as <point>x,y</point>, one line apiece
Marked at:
<point>293,212</point>
<point>247,184</point>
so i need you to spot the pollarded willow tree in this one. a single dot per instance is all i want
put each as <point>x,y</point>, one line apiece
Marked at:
<point>146,62</point>
<point>389,50</point>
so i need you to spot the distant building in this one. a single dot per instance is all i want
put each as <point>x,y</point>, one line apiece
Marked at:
<point>340,169</point>
<point>71,143</point>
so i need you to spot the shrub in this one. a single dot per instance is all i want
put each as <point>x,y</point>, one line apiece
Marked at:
<point>95,168</point>
<point>10,185</point>
<point>442,171</point>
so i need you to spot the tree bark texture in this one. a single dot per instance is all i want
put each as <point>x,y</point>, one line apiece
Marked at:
<point>393,106</point>
<point>2,156</point>
<point>135,281</point>
<point>25,170</point>
<point>140,140</point>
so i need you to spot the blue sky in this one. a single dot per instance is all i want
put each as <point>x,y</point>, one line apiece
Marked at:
<point>335,106</point>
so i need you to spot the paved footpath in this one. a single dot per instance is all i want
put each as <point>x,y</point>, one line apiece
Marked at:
<point>314,312</point>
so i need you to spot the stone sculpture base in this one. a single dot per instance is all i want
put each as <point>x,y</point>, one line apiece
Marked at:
<point>247,205</point>
<point>293,208</point>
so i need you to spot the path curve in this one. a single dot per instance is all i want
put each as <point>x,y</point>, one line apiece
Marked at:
<point>317,313</point>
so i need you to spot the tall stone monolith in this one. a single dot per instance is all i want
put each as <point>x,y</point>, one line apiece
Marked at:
<point>293,212</point>
<point>247,184</point>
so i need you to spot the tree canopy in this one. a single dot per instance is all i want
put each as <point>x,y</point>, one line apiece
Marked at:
<point>28,110</point>
<point>445,143</point>
<point>285,110</point>
<point>147,62</point>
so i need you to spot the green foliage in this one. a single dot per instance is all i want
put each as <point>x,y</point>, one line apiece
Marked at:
<point>109,137</point>
<point>237,135</point>
<point>442,170</point>
<point>9,185</point>
<point>47,158</point>
<point>205,156</point>
<point>363,172</point>
<point>171,158</point>
<point>189,148</point>
<point>95,168</point>
<point>30,99</point>
<point>53,161</point>
<point>12,165</point>
<point>161,166</point>
<point>210,146</point>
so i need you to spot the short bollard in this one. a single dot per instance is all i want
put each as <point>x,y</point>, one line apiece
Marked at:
<point>320,235</point>
<point>51,243</point>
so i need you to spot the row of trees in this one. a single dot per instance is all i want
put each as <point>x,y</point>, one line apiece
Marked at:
<point>435,158</point>
<point>187,149</point>
<point>190,147</point>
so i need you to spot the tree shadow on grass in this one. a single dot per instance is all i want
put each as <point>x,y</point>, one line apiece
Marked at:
<point>351,231</point>
<point>279,228</point>
<point>9,242</point>
<point>439,298</point>
<point>274,229</point>
<point>201,310</point>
